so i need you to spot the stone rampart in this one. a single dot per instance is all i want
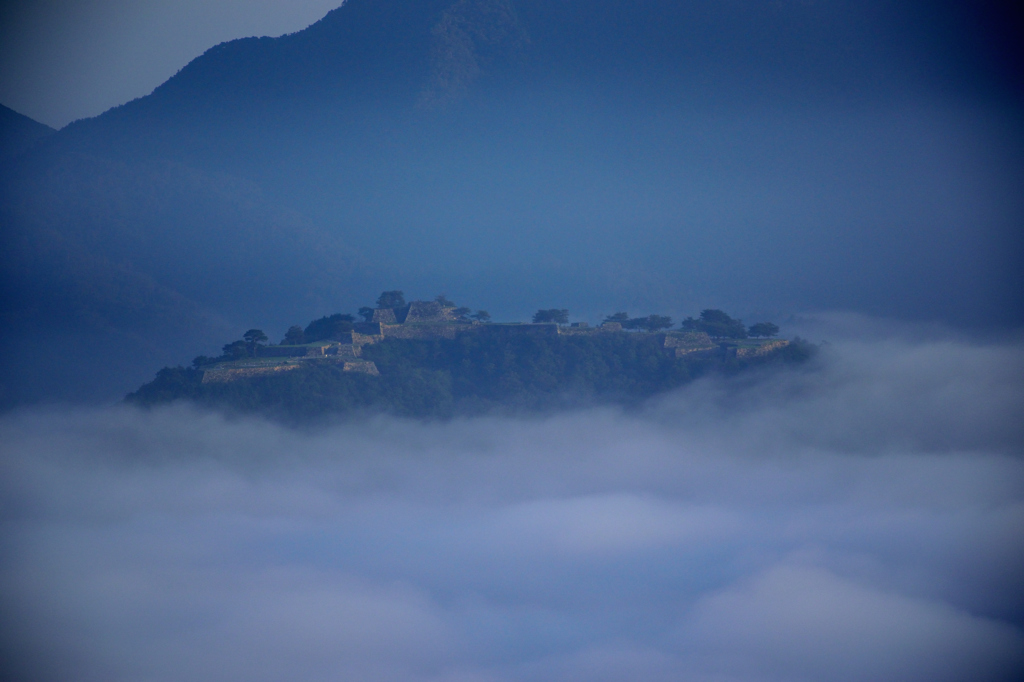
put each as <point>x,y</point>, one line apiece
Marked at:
<point>301,351</point>
<point>228,374</point>
<point>765,348</point>
<point>681,344</point>
<point>542,329</point>
<point>367,328</point>
<point>384,316</point>
<point>361,366</point>
<point>425,330</point>
<point>282,351</point>
<point>428,311</point>
<point>579,331</point>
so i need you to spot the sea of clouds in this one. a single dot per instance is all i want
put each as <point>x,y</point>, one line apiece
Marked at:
<point>860,518</point>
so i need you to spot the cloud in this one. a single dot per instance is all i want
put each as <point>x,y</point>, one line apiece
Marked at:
<point>796,622</point>
<point>858,519</point>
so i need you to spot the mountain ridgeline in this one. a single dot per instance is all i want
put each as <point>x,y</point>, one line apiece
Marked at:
<point>619,153</point>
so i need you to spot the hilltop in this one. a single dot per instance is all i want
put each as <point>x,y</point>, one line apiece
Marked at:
<point>434,359</point>
<point>784,155</point>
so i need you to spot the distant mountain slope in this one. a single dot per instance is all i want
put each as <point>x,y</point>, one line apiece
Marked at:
<point>18,133</point>
<point>654,154</point>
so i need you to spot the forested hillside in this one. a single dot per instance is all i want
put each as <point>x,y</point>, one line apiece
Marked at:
<point>471,374</point>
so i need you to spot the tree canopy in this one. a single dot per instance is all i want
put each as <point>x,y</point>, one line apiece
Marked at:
<point>651,323</point>
<point>235,350</point>
<point>294,336</point>
<point>765,329</point>
<point>329,328</point>
<point>717,324</point>
<point>254,338</point>
<point>556,315</point>
<point>391,299</point>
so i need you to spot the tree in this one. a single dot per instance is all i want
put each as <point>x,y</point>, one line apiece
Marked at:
<point>556,315</point>
<point>391,299</point>
<point>718,324</point>
<point>295,336</point>
<point>202,361</point>
<point>765,329</point>
<point>481,316</point>
<point>651,323</point>
<point>254,338</point>
<point>461,313</point>
<point>333,327</point>
<point>621,318</point>
<point>235,350</point>
<point>366,313</point>
<point>443,300</point>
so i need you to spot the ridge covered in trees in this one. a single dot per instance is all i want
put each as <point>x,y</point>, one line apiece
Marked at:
<point>497,367</point>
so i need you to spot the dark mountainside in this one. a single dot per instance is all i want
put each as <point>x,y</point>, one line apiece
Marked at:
<point>764,156</point>
<point>18,134</point>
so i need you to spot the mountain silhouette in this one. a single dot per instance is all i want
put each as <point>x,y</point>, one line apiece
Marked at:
<point>610,154</point>
<point>19,133</point>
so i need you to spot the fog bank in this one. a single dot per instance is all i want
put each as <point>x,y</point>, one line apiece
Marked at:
<point>859,519</point>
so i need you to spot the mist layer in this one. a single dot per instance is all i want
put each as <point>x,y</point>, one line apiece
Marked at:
<point>858,520</point>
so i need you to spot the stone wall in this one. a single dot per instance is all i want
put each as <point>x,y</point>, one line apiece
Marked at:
<point>423,331</point>
<point>428,311</point>
<point>578,331</point>
<point>361,366</point>
<point>300,351</point>
<point>213,376</point>
<point>545,329</point>
<point>765,348</point>
<point>384,316</point>
<point>680,344</point>
<point>344,350</point>
<point>282,351</point>
<point>367,328</point>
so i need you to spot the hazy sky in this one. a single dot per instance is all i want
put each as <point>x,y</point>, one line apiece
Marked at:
<point>61,60</point>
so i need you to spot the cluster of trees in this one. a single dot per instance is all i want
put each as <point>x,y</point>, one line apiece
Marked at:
<point>717,324</point>
<point>556,315</point>
<point>651,323</point>
<point>395,299</point>
<point>246,347</point>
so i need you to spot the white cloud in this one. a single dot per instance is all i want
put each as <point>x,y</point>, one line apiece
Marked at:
<point>861,519</point>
